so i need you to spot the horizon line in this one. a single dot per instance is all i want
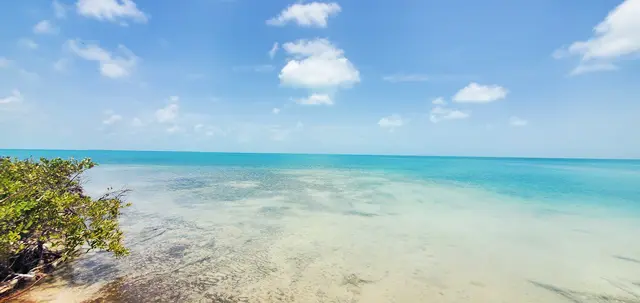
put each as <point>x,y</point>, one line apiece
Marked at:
<point>321,154</point>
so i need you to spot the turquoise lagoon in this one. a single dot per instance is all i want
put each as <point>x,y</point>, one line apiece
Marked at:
<point>227,227</point>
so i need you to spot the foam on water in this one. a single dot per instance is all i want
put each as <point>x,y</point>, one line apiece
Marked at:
<point>233,234</point>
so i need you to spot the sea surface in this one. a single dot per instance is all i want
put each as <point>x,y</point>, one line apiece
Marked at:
<point>223,227</point>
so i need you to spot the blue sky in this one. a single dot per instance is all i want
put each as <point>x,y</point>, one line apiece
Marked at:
<point>483,78</point>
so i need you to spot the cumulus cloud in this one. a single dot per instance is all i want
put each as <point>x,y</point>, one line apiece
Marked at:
<point>516,121</point>
<point>476,93</point>
<point>406,78</point>
<point>440,113</point>
<point>439,101</point>
<point>314,14</point>
<point>614,37</point>
<point>111,10</point>
<point>316,99</point>
<point>391,122</point>
<point>112,118</point>
<point>27,44</point>
<point>111,66</point>
<point>14,97</point>
<point>45,27</point>
<point>274,50</point>
<point>169,113</point>
<point>317,64</point>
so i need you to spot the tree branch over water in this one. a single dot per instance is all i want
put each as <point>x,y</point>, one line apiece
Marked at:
<point>46,217</point>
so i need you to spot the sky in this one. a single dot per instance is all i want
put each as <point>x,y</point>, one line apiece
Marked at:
<point>541,78</point>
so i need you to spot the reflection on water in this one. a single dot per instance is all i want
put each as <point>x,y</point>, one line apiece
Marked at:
<point>256,235</point>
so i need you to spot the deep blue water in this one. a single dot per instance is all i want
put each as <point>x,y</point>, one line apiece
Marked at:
<point>576,181</point>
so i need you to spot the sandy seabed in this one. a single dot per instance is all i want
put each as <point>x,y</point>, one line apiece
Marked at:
<point>250,235</point>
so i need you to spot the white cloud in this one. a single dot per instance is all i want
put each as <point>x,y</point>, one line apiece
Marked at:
<point>45,27</point>
<point>90,52</point>
<point>314,14</point>
<point>168,114</point>
<point>111,10</point>
<point>110,66</point>
<point>274,50</point>
<point>59,10</point>
<point>440,113</point>
<point>4,62</point>
<point>476,93</point>
<point>614,37</point>
<point>406,78</point>
<point>113,70</point>
<point>317,64</point>
<point>317,47</point>
<point>316,99</point>
<point>15,97</point>
<point>391,122</point>
<point>439,101</point>
<point>584,68</point>
<point>112,118</point>
<point>275,110</point>
<point>27,44</point>
<point>617,35</point>
<point>516,121</point>
<point>61,65</point>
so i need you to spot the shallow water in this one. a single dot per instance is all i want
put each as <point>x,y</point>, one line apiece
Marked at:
<point>407,230</point>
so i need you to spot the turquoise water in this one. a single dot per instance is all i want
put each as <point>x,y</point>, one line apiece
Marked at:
<point>347,228</point>
<point>610,182</point>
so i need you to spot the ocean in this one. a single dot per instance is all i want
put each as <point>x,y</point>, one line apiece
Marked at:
<point>224,227</point>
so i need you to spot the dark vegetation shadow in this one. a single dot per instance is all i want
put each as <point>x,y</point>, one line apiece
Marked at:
<point>588,297</point>
<point>623,258</point>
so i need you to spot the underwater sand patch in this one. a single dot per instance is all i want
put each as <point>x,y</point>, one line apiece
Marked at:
<point>243,184</point>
